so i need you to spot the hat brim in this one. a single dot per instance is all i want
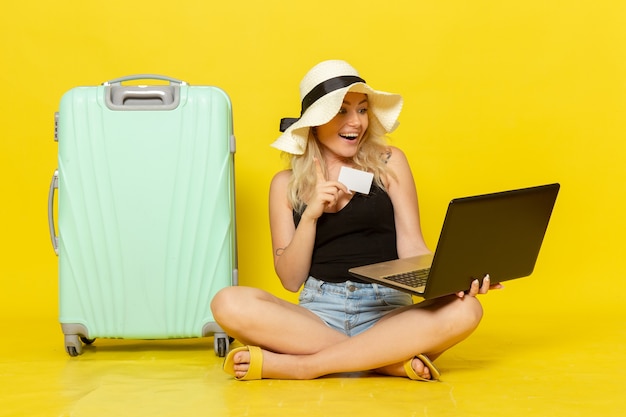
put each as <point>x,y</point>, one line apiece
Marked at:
<point>384,107</point>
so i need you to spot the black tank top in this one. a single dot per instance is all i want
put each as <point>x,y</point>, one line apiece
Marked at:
<point>361,233</point>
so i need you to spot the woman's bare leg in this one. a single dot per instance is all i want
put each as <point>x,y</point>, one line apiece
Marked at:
<point>256,317</point>
<point>429,329</point>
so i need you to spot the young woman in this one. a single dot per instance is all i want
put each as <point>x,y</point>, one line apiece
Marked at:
<point>320,229</point>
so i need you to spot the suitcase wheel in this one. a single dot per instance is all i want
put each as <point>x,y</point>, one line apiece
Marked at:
<point>73,345</point>
<point>221,344</point>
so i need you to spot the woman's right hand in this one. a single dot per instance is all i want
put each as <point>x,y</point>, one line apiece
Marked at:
<point>326,194</point>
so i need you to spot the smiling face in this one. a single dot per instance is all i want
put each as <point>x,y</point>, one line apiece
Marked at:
<point>342,135</point>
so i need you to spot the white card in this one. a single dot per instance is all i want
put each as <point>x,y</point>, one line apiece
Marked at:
<point>356,180</point>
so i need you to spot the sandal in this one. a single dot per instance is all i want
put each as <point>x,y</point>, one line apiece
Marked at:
<point>256,363</point>
<point>410,372</point>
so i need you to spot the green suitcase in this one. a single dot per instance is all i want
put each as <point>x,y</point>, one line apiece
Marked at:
<point>145,210</point>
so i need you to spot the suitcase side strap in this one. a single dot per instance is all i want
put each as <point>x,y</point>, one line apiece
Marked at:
<point>54,185</point>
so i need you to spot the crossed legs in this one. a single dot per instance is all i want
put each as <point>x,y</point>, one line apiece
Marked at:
<point>298,345</point>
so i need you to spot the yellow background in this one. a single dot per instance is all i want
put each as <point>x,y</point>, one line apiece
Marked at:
<point>498,94</point>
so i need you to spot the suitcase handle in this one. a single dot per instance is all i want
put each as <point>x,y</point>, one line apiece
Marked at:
<point>144,77</point>
<point>54,185</point>
<point>146,97</point>
<point>156,97</point>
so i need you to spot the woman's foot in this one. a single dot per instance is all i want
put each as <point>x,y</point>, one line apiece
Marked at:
<point>418,368</point>
<point>251,369</point>
<point>251,362</point>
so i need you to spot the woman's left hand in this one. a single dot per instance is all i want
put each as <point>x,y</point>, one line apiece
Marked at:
<point>476,288</point>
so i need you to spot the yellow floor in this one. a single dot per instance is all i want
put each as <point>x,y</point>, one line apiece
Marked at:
<point>512,366</point>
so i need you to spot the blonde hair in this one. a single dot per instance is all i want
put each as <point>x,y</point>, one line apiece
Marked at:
<point>372,156</point>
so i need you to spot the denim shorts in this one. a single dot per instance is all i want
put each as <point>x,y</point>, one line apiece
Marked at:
<point>350,307</point>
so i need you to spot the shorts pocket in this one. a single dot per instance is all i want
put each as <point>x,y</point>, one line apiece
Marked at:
<point>307,295</point>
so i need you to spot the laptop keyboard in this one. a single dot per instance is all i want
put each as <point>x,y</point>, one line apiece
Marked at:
<point>412,279</point>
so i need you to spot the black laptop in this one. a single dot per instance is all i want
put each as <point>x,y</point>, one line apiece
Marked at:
<point>499,234</point>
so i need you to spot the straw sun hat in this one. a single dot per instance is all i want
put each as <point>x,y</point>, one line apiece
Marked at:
<point>322,91</point>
